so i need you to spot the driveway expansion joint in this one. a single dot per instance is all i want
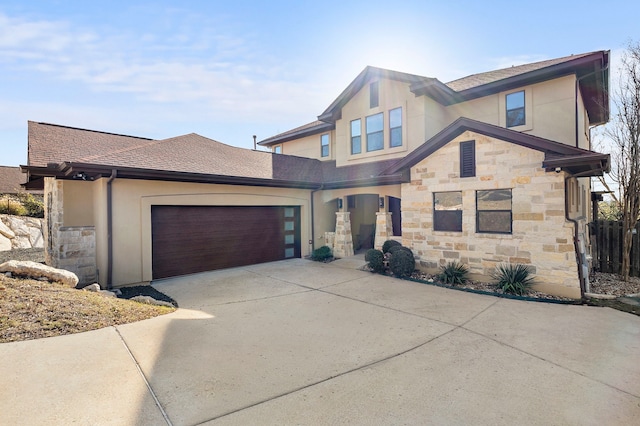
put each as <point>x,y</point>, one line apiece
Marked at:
<point>335,376</point>
<point>144,378</point>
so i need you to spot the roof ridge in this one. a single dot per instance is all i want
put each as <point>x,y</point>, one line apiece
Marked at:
<point>88,130</point>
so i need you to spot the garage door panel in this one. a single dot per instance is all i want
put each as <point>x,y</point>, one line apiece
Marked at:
<point>190,239</point>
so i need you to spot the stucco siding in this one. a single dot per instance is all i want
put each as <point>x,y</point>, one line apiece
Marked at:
<point>309,146</point>
<point>132,201</point>
<point>541,237</point>
<point>393,94</point>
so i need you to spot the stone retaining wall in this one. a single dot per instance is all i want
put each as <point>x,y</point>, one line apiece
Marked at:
<point>20,232</point>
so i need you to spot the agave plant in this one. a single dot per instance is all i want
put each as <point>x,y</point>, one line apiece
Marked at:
<point>513,278</point>
<point>453,273</point>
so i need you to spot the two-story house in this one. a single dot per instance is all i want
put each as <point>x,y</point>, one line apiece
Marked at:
<point>490,168</point>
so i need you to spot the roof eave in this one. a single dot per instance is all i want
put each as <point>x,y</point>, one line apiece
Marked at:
<point>86,171</point>
<point>296,135</point>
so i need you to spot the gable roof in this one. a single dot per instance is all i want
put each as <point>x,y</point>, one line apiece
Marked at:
<point>591,69</point>
<point>333,111</point>
<point>572,159</point>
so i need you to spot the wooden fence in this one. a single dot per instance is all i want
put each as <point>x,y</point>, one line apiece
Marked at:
<point>606,238</point>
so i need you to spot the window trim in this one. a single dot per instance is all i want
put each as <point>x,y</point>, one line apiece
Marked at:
<point>324,137</point>
<point>393,128</point>
<point>380,132</point>
<point>359,136</point>
<point>478,211</point>
<point>439,213</point>
<point>277,149</point>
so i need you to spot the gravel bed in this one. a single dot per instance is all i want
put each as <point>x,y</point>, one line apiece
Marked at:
<point>33,254</point>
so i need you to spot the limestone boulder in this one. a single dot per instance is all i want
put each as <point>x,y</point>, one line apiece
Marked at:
<point>26,268</point>
<point>18,225</point>
<point>6,231</point>
<point>5,243</point>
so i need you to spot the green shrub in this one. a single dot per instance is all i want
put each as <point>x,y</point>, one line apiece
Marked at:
<point>375,260</point>
<point>34,206</point>
<point>402,262</point>
<point>321,254</point>
<point>513,278</point>
<point>388,244</point>
<point>394,249</point>
<point>453,273</point>
<point>11,206</point>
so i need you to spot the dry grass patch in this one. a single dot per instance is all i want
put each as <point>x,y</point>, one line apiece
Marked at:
<point>31,309</point>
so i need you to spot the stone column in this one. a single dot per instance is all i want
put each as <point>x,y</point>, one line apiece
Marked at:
<point>53,219</point>
<point>343,243</point>
<point>384,229</point>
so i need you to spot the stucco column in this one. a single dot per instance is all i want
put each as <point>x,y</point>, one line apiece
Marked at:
<point>343,243</point>
<point>384,229</point>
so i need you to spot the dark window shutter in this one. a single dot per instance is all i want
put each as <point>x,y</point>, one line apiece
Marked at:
<point>468,159</point>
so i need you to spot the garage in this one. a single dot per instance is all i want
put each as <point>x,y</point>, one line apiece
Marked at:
<point>191,239</point>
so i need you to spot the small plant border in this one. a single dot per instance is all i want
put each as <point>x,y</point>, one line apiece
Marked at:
<point>501,295</point>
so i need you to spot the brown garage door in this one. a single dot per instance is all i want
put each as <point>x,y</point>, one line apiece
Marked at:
<point>190,239</point>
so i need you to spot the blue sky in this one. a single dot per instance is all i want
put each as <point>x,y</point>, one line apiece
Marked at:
<point>229,70</point>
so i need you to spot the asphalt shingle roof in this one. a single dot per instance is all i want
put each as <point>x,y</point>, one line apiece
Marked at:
<point>480,79</point>
<point>10,179</point>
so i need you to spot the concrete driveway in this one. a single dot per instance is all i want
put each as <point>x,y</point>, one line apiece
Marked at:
<point>297,342</point>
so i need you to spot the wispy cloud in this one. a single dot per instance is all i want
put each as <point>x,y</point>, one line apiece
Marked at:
<point>226,73</point>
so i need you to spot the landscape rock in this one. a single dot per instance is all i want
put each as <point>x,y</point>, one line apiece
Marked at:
<point>6,231</point>
<point>18,225</point>
<point>151,301</point>
<point>21,232</point>
<point>92,287</point>
<point>20,242</point>
<point>5,243</point>
<point>107,293</point>
<point>36,270</point>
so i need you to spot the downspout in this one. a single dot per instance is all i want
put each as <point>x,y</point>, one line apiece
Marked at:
<point>313,226</point>
<point>114,174</point>
<point>576,245</point>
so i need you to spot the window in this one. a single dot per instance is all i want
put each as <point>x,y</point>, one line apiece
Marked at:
<point>467,159</point>
<point>375,132</point>
<point>493,213</point>
<point>447,211</point>
<point>395,127</point>
<point>374,94</point>
<point>277,149</point>
<point>515,109</point>
<point>356,136</point>
<point>324,145</point>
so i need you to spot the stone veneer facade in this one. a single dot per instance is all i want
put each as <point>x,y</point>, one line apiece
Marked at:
<point>67,247</point>
<point>541,236</point>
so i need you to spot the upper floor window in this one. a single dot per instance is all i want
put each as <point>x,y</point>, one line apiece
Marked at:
<point>493,211</point>
<point>515,109</point>
<point>324,145</point>
<point>395,127</point>
<point>277,149</point>
<point>374,94</point>
<point>356,136</point>
<point>467,159</point>
<point>375,132</point>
